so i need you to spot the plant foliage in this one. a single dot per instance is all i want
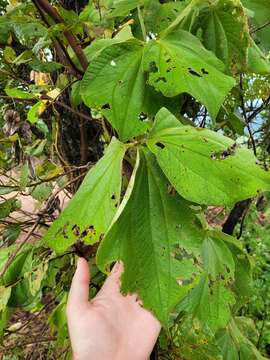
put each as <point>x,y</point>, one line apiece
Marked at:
<point>156,102</point>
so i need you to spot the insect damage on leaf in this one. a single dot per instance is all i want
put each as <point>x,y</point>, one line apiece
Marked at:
<point>193,72</point>
<point>222,155</point>
<point>153,67</point>
<point>80,233</point>
<point>106,106</point>
<point>161,78</point>
<point>143,116</point>
<point>160,145</point>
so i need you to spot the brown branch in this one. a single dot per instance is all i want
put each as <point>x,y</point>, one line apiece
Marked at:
<point>59,48</point>
<point>57,102</point>
<point>53,13</point>
<point>259,109</point>
<point>236,215</point>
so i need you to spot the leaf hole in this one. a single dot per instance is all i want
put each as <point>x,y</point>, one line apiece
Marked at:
<point>160,145</point>
<point>161,78</point>
<point>194,73</point>
<point>143,116</point>
<point>106,106</point>
<point>205,72</point>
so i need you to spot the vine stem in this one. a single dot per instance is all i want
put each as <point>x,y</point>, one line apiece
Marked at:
<point>141,22</point>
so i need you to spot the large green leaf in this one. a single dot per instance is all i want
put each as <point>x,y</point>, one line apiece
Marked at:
<point>155,237</point>
<point>90,212</point>
<point>179,63</point>
<point>115,81</point>
<point>204,166</point>
<point>225,31</point>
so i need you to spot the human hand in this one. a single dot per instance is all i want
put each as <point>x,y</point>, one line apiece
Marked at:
<point>110,326</point>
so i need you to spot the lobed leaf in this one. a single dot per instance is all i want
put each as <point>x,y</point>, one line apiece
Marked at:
<point>155,237</point>
<point>115,81</point>
<point>179,63</point>
<point>204,166</point>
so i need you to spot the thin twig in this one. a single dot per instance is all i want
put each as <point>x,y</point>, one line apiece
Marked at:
<point>261,27</point>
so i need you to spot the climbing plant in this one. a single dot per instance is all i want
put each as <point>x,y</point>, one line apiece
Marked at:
<point>156,101</point>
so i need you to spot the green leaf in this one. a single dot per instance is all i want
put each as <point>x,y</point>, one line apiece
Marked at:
<point>7,207</point>
<point>122,7</point>
<point>179,63</point>
<point>257,61</point>
<point>217,258</point>
<point>75,95</point>
<point>26,30</point>
<point>11,234</point>
<point>23,58</point>
<point>154,236</point>
<point>17,268</point>
<point>35,111</point>
<point>9,54</point>
<point>4,296</point>
<point>204,166</point>
<point>260,17</point>
<point>97,46</point>
<point>37,148</point>
<point>24,176</point>
<point>115,81</point>
<point>90,212</point>
<point>234,345</point>
<point>158,17</point>
<point>4,33</point>
<point>45,67</point>
<point>4,317</point>
<point>5,189</point>
<point>20,94</point>
<point>42,192</point>
<point>21,296</point>
<point>237,123</point>
<point>225,31</point>
<point>210,302</point>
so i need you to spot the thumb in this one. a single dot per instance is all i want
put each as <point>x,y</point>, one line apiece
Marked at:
<point>79,290</point>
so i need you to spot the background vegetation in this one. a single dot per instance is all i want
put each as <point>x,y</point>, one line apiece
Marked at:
<point>72,78</point>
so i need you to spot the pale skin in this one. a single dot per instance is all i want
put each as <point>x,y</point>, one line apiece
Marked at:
<point>110,326</point>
